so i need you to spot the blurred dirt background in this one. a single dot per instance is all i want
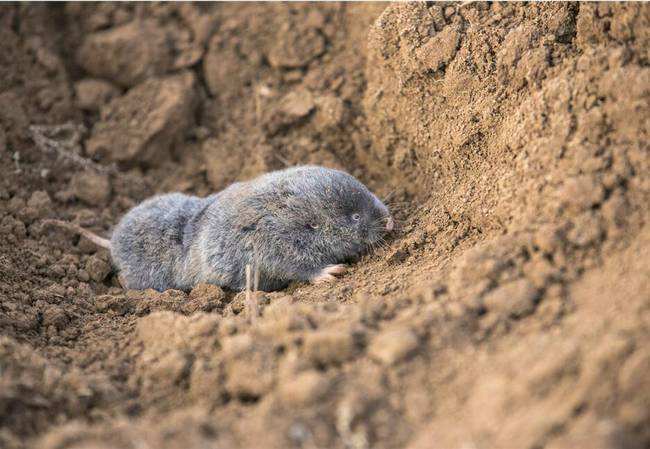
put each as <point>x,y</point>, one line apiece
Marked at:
<point>510,310</point>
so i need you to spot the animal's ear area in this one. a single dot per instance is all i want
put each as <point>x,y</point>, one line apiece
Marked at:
<point>249,227</point>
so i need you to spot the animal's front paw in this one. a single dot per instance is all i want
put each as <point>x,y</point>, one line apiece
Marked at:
<point>328,273</point>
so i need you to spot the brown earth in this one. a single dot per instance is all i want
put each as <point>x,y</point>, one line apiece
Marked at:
<point>510,310</point>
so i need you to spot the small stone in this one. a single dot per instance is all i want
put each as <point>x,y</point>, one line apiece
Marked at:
<point>83,275</point>
<point>144,124</point>
<point>92,188</point>
<point>328,347</point>
<point>26,322</point>
<point>188,56</point>
<point>315,19</point>
<point>54,316</point>
<point>224,70</point>
<point>126,54</point>
<point>15,205</point>
<point>515,299</point>
<point>64,196</point>
<point>98,269</point>
<point>297,103</point>
<point>394,345</point>
<point>330,112</point>
<point>41,201</point>
<point>293,76</point>
<point>96,20</point>
<point>93,94</point>
<point>57,270</point>
<point>7,225</point>
<point>56,291</point>
<point>449,11</point>
<point>28,214</point>
<point>87,217</point>
<point>306,388</point>
<point>296,47</point>
<point>204,297</point>
<point>49,60</point>
<point>289,110</point>
<point>439,50</point>
<point>122,16</point>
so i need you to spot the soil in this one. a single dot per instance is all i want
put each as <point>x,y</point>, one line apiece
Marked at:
<point>511,308</point>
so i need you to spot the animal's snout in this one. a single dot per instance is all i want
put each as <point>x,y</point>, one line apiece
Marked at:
<point>390,224</point>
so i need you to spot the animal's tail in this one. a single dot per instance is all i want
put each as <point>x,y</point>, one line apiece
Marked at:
<point>97,240</point>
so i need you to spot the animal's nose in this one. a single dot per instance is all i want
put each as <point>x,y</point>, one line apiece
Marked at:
<point>390,224</point>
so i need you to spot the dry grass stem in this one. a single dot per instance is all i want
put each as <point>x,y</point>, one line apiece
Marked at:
<point>252,283</point>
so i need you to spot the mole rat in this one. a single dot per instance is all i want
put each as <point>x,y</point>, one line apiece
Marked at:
<point>297,224</point>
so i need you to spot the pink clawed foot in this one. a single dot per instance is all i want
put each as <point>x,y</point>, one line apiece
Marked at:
<point>122,281</point>
<point>328,273</point>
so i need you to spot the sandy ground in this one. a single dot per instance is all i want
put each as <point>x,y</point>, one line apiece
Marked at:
<point>511,309</point>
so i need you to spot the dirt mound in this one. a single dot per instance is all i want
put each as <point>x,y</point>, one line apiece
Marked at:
<point>510,309</point>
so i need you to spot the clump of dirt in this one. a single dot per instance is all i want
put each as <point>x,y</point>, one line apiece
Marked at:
<point>510,309</point>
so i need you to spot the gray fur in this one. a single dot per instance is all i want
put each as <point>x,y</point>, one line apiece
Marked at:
<point>290,224</point>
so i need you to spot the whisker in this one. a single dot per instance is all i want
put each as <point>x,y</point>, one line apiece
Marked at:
<point>395,201</point>
<point>388,196</point>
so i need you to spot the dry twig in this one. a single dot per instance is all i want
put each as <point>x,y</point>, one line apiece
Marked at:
<point>65,141</point>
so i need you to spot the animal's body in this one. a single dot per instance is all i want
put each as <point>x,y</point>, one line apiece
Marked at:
<point>296,224</point>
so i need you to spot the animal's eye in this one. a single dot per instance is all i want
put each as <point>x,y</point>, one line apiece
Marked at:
<point>312,226</point>
<point>356,217</point>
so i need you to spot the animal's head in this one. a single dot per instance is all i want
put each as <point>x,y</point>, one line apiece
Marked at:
<point>331,212</point>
